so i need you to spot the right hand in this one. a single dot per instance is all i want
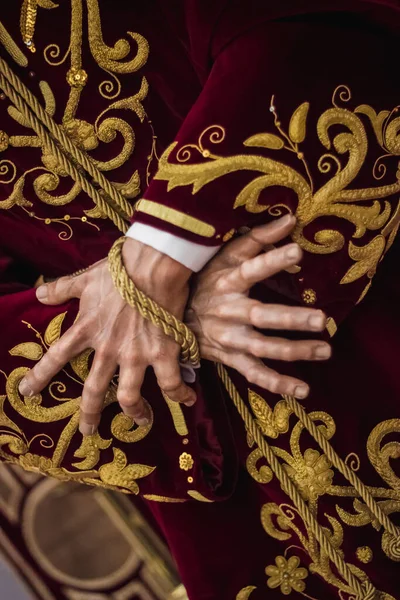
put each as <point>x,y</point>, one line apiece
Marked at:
<point>223,317</point>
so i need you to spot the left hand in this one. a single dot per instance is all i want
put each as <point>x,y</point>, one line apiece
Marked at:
<point>119,335</point>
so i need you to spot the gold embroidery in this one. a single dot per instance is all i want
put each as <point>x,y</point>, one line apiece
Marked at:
<point>155,498</point>
<point>287,575</point>
<point>196,495</point>
<point>245,593</point>
<point>364,554</point>
<point>115,475</point>
<point>262,474</point>
<point>331,326</point>
<point>86,136</point>
<point>272,422</point>
<point>120,474</point>
<point>334,198</point>
<point>175,217</point>
<point>177,416</point>
<point>125,430</point>
<point>186,462</point>
<point>309,296</point>
<point>7,41</point>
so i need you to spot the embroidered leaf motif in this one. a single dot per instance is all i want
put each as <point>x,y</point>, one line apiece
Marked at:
<point>53,331</point>
<point>80,364</point>
<point>265,140</point>
<point>16,197</point>
<point>298,122</point>
<point>244,594</point>
<point>90,451</point>
<point>366,257</point>
<point>272,422</point>
<point>47,4</point>
<point>29,350</point>
<point>120,474</point>
<point>377,120</point>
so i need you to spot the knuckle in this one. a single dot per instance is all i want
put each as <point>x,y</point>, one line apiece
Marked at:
<point>220,285</point>
<point>288,352</point>
<point>252,375</point>
<point>103,352</point>
<point>255,315</point>
<point>225,337</point>
<point>126,398</point>
<point>171,384</point>
<point>275,384</point>
<point>221,311</point>
<point>91,389</point>
<point>257,348</point>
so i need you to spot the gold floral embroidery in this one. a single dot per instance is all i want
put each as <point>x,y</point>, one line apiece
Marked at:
<point>86,136</point>
<point>9,44</point>
<point>272,422</point>
<point>334,198</point>
<point>14,447</point>
<point>364,554</point>
<point>287,575</point>
<point>331,326</point>
<point>309,296</point>
<point>186,461</point>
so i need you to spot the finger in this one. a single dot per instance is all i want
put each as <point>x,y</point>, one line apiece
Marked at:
<point>259,268</point>
<point>257,373</point>
<point>275,348</point>
<point>72,343</point>
<point>94,391</point>
<point>61,290</point>
<point>169,378</point>
<point>258,238</point>
<point>273,316</point>
<point>129,395</point>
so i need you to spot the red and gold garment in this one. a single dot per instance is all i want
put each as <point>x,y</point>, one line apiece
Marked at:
<point>213,117</point>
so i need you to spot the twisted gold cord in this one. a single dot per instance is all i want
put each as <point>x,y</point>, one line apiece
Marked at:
<point>149,309</point>
<point>66,163</point>
<point>364,592</point>
<point>119,203</point>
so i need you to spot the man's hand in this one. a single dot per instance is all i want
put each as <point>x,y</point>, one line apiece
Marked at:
<point>120,337</point>
<point>223,317</point>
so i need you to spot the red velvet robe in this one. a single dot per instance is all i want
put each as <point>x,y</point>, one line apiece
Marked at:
<point>256,109</point>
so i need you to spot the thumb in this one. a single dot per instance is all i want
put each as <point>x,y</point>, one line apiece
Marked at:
<point>61,290</point>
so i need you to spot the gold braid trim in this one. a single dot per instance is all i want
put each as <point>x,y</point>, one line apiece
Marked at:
<point>116,207</point>
<point>149,309</point>
<point>364,591</point>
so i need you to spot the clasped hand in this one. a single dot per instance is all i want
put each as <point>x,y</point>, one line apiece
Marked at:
<point>220,312</point>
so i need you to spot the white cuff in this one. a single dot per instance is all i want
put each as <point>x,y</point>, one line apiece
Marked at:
<point>193,256</point>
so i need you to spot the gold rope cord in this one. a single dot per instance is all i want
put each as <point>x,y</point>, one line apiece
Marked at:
<point>364,591</point>
<point>149,309</point>
<point>41,116</point>
<point>181,334</point>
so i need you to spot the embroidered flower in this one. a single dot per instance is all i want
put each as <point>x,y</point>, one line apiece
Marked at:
<point>287,575</point>
<point>82,133</point>
<point>312,474</point>
<point>4,140</point>
<point>186,462</point>
<point>309,296</point>
<point>364,554</point>
<point>77,77</point>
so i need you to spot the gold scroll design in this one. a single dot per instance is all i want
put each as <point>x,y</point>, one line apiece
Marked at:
<point>366,208</point>
<point>380,456</point>
<point>106,128</point>
<point>313,475</point>
<point>16,448</point>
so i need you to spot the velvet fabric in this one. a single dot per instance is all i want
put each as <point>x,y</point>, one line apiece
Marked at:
<point>219,64</point>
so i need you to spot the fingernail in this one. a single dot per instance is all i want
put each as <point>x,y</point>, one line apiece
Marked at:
<point>25,389</point>
<point>142,421</point>
<point>293,253</point>
<point>301,391</point>
<point>317,322</point>
<point>41,292</point>
<point>322,352</point>
<point>86,429</point>
<point>285,220</point>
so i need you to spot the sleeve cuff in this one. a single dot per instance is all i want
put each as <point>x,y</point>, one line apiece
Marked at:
<point>193,256</point>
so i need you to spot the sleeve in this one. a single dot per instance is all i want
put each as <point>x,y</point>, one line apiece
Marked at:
<point>298,114</point>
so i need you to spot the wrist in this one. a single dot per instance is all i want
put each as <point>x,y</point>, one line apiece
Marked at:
<point>152,270</point>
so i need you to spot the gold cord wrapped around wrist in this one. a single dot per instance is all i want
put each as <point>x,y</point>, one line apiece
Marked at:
<point>149,309</point>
